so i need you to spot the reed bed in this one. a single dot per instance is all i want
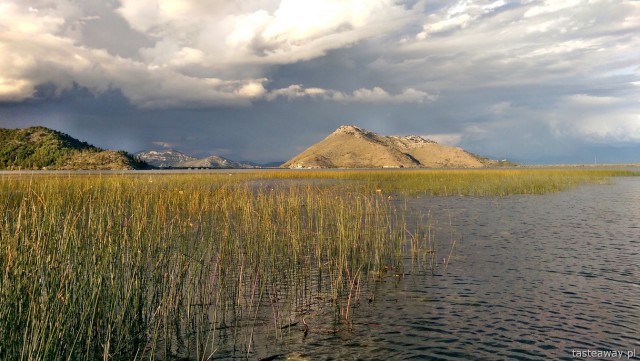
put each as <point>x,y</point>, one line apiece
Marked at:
<point>463,182</point>
<point>144,267</point>
<point>162,266</point>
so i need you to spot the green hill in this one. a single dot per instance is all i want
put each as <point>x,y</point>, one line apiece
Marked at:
<point>44,148</point>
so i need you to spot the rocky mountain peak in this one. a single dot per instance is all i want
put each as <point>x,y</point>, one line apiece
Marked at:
<point>350,130</point>
<point>418,139</point>
<point>410,141</point>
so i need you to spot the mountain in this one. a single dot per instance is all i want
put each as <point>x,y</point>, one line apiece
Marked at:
<point>44,148</point>
<point>213,161</point>
<point>164,158</point>
<point>175,159</point>
<point>353,147</point>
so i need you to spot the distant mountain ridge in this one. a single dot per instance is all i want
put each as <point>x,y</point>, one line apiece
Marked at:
<point>164,158</point>
<point>174,159</point>
<point>350,146</point>
<point>213,161</point>
<point>43,148</point>
<point>347,147</point>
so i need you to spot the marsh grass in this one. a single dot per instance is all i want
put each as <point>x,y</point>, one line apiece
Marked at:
<point>133,267</point>
<point>462,182</point>
<point>153,266</point>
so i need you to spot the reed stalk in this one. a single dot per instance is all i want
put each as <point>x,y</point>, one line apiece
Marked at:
<point>132,267</point>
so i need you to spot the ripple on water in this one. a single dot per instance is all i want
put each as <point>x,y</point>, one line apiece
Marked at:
<point>541,276</point>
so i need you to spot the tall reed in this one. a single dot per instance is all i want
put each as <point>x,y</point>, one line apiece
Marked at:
<point>462,182</point>
<point>155,266</point>
<point>133,267</point>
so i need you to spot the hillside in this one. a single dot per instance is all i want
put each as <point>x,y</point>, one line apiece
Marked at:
<point>213,161</point>
<point>44,148</point>
<point>175,159</point>
<point>353,147</point>
<point>164,158</point>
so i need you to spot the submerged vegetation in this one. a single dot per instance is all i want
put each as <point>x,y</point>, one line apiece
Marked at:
<point>144,266</point>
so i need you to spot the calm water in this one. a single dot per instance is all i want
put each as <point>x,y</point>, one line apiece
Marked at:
<point>533,277</point>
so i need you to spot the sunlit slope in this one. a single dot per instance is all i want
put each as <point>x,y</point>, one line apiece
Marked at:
<point>353,147</point>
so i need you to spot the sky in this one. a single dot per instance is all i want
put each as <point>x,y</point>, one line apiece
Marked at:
<point>532,81</point>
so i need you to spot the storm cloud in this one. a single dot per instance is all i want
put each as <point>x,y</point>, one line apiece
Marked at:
<point>532,81</point>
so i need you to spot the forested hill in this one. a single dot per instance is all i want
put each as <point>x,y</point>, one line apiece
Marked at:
<point>44,148</point>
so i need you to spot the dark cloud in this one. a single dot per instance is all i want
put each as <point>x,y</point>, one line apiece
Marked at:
<point>262,80</point>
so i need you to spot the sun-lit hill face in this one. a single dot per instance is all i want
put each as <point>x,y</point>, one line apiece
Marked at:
<point>44,148</point>
<point>353,147</point>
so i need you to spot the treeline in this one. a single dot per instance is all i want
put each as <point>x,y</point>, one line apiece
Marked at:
<point>44,148</point>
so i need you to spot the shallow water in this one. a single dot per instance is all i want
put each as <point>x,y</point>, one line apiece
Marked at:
<point>531,277</point>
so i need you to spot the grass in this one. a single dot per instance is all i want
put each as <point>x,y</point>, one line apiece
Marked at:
<point>122,267</point>
<point>144,266</point>
<point>463,182</point>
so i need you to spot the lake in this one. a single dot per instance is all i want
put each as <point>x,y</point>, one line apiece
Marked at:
<point>553,276</point>
<point>196,266</point>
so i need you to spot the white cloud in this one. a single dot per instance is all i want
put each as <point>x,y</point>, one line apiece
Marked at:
<point>13,90</point>
<point>590,100</point>
<point>375,94</point>
<point>623,127</point>
<point>484,56</point>
<point>29,20</point>
<point>458,16</point>
<point>474,44</point>
<point>597,119</point>
<point>626,129</point>
<point>262,32</point>
<point>361,95</point>
<point>204,53</point>
<point>34,53</point>
<point>301,20</point>
<point>551,6</point>
<point>252,89</point>
<point>438,26</point>
<point>295,91</point>
<point>45,58</point>
<point>378,94</point>
<point>565,47</point>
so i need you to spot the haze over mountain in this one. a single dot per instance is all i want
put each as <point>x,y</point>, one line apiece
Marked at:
<point>353,147</point>
<point>44,148</point>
